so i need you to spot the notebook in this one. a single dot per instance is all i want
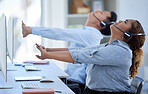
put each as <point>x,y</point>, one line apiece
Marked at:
<point>38,91</point>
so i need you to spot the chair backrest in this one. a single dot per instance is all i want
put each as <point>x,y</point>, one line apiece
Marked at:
<point>136,85</point>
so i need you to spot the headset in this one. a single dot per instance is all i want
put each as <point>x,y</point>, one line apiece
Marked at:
<point>127,35</point>
<point>102,23</point>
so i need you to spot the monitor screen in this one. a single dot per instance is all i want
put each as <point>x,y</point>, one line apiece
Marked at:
<point>10,39</point>
<point>3,51</point>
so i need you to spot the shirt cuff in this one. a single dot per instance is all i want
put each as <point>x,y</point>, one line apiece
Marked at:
<point>71,48</point>
<point>74,55</point>
<point>35,31</point>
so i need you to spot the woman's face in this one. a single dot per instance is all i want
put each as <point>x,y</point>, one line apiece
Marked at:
<point>123,25</point>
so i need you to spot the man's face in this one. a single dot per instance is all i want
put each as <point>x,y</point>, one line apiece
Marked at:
<point>101,15</point>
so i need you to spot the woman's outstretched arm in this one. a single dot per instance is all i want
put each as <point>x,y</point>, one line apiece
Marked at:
<point>53,49</point>
<point>57,55</point>
<point>56,49</point>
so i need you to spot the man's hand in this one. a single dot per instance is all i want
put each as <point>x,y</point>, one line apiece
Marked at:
<point>26,30</point>
<point>42,50</point>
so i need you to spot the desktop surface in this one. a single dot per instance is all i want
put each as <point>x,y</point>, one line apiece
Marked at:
<point>50,71</point>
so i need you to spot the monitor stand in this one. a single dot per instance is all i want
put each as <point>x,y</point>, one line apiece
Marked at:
<point>5,86</point>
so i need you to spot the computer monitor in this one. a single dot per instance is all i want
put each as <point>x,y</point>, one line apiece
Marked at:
<point>3,50</point>
<point>10,39</point>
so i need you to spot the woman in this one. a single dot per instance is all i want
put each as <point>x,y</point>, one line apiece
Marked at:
<point>110,64</point>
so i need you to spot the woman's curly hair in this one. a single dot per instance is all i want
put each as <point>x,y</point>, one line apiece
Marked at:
<point>135,44</point>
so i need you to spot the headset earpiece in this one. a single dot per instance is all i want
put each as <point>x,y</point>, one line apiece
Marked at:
<point>102,24</point>
<point>126,35</point>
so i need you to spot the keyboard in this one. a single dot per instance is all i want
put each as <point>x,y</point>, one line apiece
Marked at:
<point>29,78</point>
<point>32,68</point>
<point>30,85</point>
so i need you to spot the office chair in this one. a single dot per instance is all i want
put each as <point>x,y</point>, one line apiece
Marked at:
<point>136,85</point>
<point>74,87</point>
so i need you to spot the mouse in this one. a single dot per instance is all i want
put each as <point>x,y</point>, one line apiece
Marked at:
<point>46,80</point>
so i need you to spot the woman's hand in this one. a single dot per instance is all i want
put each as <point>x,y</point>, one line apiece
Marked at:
<point>42,50</point>
<point>47,49</point>
<point>60,54</point>
<point>26,30</point>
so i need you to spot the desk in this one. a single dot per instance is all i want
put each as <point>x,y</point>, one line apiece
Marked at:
<point>49,71</point>
<point>53,68</point>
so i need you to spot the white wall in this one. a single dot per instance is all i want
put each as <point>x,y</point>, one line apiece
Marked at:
<point>110,5</point>
<point>136,9</point>
<point>54,15</point>
<point>45,13</point>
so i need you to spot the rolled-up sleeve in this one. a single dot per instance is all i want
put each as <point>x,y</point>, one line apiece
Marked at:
<point>101,56</point>
<point>81,55</point>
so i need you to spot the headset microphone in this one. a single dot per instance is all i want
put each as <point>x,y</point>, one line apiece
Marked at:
<point>102,24</point>
<point>127,35</point>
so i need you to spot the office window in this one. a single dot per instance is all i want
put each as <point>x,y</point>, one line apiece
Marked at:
<point>29,11</point>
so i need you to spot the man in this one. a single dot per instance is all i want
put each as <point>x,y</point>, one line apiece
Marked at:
<point>89,35</point>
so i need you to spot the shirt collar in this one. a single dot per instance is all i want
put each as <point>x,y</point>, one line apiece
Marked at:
<point>93,29</point>
<point>118,42</point>
<point>90,28</point>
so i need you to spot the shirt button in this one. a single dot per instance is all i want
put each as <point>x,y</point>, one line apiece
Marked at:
<point>91,55</point>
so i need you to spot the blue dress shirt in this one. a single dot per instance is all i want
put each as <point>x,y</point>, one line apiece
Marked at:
<point>79,37</point>
<point>108,68</point>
